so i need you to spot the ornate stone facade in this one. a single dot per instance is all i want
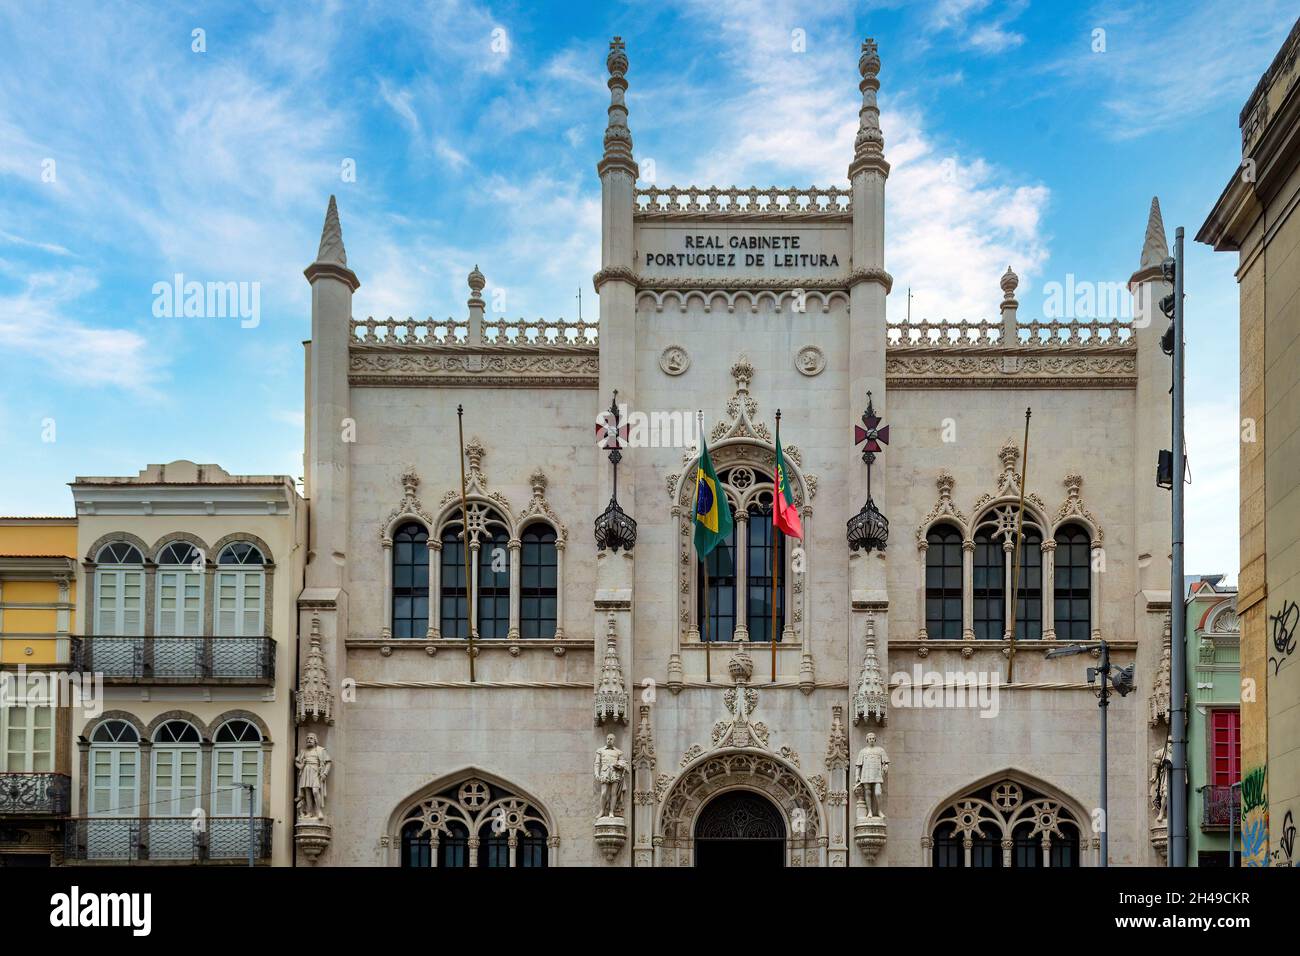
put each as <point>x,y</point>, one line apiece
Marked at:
<point>776,302</point>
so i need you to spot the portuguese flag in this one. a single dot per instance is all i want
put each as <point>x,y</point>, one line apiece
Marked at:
<point>712,513</point>
<point>785,517</point>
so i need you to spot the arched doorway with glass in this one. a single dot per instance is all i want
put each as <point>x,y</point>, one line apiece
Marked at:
<point>740,828</point>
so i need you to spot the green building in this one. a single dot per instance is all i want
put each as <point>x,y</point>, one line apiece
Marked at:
<point>1212,646</point>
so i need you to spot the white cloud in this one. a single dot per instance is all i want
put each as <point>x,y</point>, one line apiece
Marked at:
<point>35,326</point>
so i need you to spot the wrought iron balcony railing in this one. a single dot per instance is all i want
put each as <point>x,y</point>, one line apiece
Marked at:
<point>44,794</point>
<point>177,660</point>
<point>166,839</point>
<point>1219,805</point>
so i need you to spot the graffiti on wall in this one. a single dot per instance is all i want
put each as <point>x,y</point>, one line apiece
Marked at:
<point>1282,856</point>
<point>1284,634</point>
<point>1254,818</point>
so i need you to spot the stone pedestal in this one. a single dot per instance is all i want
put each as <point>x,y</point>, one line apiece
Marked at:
<point>611,834</point>
<point>312,837</point>
<point>869,835</point>
<point>1160,840</point>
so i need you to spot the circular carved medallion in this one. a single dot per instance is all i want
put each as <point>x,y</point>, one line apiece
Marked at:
<point>674,360</point>
<point>810,360</point>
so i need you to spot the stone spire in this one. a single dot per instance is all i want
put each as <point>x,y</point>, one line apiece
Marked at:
<point>869,145</point>
<point>611,695</point>
<point>315,700</point>
<point>618,138</point>
<point>331,257</point>
<point>1155,248</point>
<point>871,698</point>
<point>331,238</point>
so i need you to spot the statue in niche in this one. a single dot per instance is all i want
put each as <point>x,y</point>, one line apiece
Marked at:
<point>872,766</point>
<point>1158,783</point>
<point>611,774</point>
<point>313,765</point>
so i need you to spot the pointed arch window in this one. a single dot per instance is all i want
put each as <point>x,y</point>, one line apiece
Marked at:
<point>758,579</point>
<point>493,591</point>
<point>411,581</point>
<point>453,592</point>
<point>1072,593</point>
<point>943,583</point>
<point>539,582</point>
<point>1029,595</point>
<point>721,562</point>
<point>508,830</point>
<point>989,613</point>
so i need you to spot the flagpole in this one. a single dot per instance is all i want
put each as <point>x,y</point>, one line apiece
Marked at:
<point>1015,561</point>
<point>464,518</point>
<point>708,669</point>
<point>776,532</point>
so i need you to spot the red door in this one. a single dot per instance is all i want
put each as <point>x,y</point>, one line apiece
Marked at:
<point>1225,747</point>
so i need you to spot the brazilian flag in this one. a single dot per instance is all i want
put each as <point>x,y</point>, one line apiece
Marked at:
<point>712,513</point>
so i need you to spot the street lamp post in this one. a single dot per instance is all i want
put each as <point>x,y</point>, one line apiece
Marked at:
<point>1122,684</point>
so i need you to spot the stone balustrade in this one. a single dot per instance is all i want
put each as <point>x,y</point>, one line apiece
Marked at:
<point>459,332</point>
<point>1096,334</point>
<point>790,201</point>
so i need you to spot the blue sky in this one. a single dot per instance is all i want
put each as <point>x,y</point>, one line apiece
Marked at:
<point>475,130</point>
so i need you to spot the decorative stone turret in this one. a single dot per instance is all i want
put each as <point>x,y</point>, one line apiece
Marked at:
<point>315,699</point>
<point>871,699</point>
<point>611,694</point>
<point>618,138</point>
<point>869,144</point>
<point>476,307</point>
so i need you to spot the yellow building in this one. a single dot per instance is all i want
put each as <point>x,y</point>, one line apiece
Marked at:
<point>38,594</point>
<point>1258,217</point>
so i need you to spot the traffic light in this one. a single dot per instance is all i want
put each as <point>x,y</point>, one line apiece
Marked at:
<point>1165,469</point>
<point>1168,271</point>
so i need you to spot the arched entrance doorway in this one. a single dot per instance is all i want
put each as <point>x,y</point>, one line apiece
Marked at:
<point>740,828</point>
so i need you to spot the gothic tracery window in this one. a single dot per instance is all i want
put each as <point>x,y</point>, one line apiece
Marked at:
<point>410,581</point>
<point>474,823</point>
<point>1006,824</point>
<point>943,583</point>
<point>1072,587</point>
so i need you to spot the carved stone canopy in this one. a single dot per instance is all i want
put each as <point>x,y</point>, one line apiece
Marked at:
<point>611,694</point>
<point>408,508</point>
<point>871,699</point>
<point>314,698</point>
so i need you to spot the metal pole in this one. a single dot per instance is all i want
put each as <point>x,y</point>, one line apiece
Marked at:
<point>1178,670</point>
<point>464,519</point>
<point>1234,793</point>
<point>1104,703</point>
<point>1015,558</point>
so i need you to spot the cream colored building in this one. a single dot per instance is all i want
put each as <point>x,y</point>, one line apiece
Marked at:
<point>188,581</point>
<point>739,302</point>
<point>1256,218</point>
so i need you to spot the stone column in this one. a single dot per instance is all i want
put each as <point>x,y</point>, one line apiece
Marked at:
<point>1049,589</point>
<point>968,590</point>
<point>387,631</point>
<point>516,588</point>
<point>559,590</point>
<point>742,577</point>
<point>434,631</point>
<point>923,551</point>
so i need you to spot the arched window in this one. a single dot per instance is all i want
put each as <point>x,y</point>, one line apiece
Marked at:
<point>454,595</point>
<point>236,763</point>
<point>943,583</point>
<point>1008,824</point>
<point>411,581</point>
<point>1029,596</point>
<point>989,611</point>
<point>538,582</point>
<point>509,830</point>
<point>241,590</point>
<point>179,608</point>
<point>759,532</point>
<point>119,590</point>
<point>174,791</point>
<point>721,563</point>
<point>114,770</point>
<point>493,589</point>
<point>1072,614</point>
<point>27,731</point>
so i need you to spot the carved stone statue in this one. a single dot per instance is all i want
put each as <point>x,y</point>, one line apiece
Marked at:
<point>872,767</point>
<point>611,774</point>
<point>1158,783</point>
<point>313,765</point>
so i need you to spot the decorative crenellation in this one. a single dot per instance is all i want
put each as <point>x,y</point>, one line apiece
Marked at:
<point>772,202</point>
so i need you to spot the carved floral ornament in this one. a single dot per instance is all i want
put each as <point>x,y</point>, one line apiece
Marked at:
<point>1000,509</point>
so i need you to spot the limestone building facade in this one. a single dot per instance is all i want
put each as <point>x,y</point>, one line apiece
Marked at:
<point>592,724</point>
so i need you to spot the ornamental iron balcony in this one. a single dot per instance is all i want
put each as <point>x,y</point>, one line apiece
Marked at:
<point>166,839</point>
<point>1219,806</point>
<point>177,660</point>
<point>27,794</point>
